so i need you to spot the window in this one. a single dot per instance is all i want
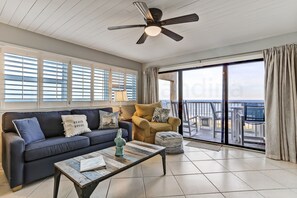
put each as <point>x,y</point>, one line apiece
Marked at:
<point>101,84</point>
<point>20,78</point>
<point>54,81</point>
<point>81,83</point>
<point>124,81</point>
<point>47,80</point>
<point>131,86</point>
<point>118,82</point>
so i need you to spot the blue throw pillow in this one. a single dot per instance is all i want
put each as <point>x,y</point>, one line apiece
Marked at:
<point>29,129</point>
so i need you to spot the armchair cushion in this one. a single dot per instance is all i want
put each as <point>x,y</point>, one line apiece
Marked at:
<point>157,126</point>
<point>146,111</point>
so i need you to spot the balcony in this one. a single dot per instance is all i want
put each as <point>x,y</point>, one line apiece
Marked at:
<point>202,119</point>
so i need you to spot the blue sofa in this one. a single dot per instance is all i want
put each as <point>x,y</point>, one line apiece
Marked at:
<point>24,164</point>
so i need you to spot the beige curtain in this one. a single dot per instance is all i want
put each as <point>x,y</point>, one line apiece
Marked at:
<point>281,102</point>
<point>151,86</point>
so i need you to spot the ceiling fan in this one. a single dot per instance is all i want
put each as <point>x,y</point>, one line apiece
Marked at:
<point>154,25</point>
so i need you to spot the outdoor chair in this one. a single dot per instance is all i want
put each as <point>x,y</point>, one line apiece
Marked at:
<point>254,114</point>
<point>190,123</point>
<point>216,116</point>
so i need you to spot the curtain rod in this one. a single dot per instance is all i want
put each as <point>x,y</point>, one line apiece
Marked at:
<point>239,54</point>
<point>214,58</point>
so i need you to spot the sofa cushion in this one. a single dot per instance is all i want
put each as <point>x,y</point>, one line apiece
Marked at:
<point>54,146</point>
<point>50,122</point>
<point>104,135</point>
<point>92,115</point>
<point>146,111</point>
<point>158,126</point>
<point>29,129</point>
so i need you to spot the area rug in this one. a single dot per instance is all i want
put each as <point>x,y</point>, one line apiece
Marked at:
<point>204,146</point>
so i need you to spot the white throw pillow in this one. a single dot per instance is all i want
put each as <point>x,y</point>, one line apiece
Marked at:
<point>75,125</point>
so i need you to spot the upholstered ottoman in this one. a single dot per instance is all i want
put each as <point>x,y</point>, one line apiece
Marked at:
<point>173,141</point>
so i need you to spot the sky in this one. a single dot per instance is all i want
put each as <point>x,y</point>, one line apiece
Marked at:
<point>246,82</point>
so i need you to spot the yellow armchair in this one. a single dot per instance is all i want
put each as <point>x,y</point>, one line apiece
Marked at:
<point>145,130</point>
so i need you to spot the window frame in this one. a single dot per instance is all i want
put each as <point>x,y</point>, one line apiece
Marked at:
<point>103,67</point>
<point>48,104</point>
<point>125,71</point>
<point>136,87</point>
<point>86,65</point>
<point>41,56</point>
<point>21,104</point>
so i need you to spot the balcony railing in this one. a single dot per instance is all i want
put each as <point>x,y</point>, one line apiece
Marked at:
<point>212,109</point>
<point>203,107</point>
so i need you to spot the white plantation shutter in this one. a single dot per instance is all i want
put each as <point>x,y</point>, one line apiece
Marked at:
<point>46,80</point>
<point>131,86</point>
<point>20,78</point>
<point>118,82</point>
<point>101,84</point>
<point>81,83</point>
<point>55,77</point>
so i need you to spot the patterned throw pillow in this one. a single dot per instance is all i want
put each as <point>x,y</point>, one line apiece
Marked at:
<point>108,120</point>
<point>160,115</point>
<point>75,125</point>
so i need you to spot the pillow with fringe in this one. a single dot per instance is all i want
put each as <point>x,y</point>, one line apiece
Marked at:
<point>75,125</point>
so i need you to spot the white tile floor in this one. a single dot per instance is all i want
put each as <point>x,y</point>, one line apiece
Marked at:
<point>199,173</point>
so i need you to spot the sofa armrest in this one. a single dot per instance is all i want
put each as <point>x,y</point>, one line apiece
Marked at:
<point>140,122</point>
<point>174,122</point>
<point>13,147</point>
<point>128,126</point>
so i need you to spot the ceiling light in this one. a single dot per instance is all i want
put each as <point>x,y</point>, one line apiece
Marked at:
<point>152,30</point>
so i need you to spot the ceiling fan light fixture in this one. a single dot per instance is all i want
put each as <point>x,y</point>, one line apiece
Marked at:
<point>154,25</point>
<point>152,30</point>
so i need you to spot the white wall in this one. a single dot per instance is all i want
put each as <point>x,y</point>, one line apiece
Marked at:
<point>23,38</point>
<point>20,37</point>
<point>224,52</point>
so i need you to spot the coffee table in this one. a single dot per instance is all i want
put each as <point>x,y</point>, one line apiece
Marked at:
<point>86,182</point>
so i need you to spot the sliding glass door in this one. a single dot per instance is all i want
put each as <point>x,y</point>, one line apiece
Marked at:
<point>246,104</point>
<point>222,103</point>
<point>202,103</point>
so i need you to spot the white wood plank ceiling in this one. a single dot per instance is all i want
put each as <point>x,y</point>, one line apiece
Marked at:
<point>85,22</point>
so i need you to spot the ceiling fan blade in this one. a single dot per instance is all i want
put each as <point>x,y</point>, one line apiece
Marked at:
<point>181,19</point>
<point>124,27</point>
<point>171,34</point>
<point>144,10</point>
<point>142,38</point>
